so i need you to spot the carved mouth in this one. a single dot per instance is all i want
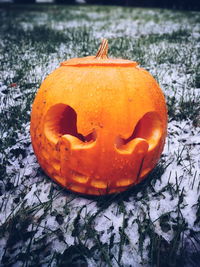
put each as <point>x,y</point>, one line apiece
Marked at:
<point>85,184</point>
<point>60,129</point>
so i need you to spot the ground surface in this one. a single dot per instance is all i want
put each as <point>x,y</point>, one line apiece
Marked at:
<point>156,223</point>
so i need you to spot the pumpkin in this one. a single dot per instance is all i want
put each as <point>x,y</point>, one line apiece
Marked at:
<point>98,124</point>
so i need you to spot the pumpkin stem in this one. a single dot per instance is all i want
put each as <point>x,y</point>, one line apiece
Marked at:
<point>103,50</point>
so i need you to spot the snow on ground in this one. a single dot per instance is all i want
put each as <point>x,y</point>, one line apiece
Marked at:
<point>122,229</point>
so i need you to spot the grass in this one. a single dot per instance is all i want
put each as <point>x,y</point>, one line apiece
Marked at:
<point>155,223</point>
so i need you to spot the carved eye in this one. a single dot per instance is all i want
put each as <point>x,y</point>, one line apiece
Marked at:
<point>148,128</point>
<point>61,119</point>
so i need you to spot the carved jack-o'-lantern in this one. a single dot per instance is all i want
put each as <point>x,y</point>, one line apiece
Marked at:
<point>98,125</point>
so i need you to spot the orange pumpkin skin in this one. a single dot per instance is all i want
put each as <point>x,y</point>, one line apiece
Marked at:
<point>98,125</point>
